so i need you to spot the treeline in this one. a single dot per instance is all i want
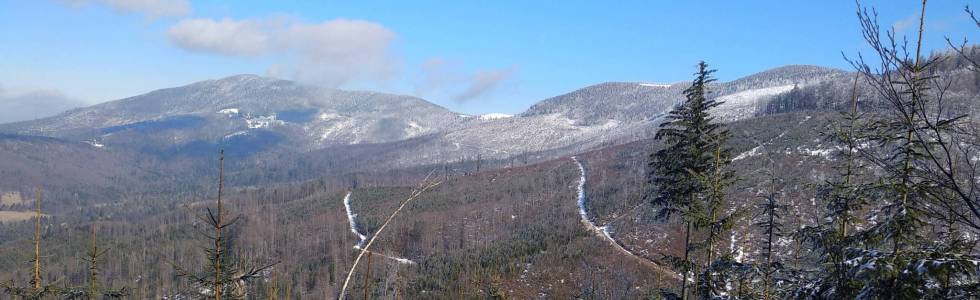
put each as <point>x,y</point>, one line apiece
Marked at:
<point>834,95</point>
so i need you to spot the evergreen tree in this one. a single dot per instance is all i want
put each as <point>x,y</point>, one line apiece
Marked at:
<point>681,173</point>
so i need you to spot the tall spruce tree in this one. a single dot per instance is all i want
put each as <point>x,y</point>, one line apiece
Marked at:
<point>683,172</point>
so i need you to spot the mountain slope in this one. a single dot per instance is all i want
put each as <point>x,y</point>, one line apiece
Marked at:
<point>250,115</point>
<point>215,110</point>
<point>609,113</point>
<point>622,101</point>
<point>633,102</point>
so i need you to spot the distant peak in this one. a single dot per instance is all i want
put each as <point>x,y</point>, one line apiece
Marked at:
<point>245,77</point>
<point>239,80</point>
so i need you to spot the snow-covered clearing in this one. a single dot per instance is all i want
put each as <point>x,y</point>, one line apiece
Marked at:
<point>744,104</point>
<point>228,111</point>
<point>750,153</point>
<point>753,95</point>
<point>495,116</point>
<point>256,122</point>
<point>603,231</point>
<point>362,238</point>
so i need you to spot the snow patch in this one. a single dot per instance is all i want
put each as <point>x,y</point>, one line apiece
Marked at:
<point>228,111</point>
<point>744,104</point>
<point>262,121</point>
<point>495,116</point>
<point>403,260</point>
<point>234,134</point>
<point>581,194</point>
<point>328,116</point>
<point>753,95</point>
<point>753,152</point>
<point>361,238</point>
<point>739,251</point>
<point>658,85</point>
<point>822,152</point>
<point>95,144</point>
<point>338,128</point>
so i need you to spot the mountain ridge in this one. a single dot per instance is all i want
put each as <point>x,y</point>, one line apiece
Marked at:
<point>256,114</point>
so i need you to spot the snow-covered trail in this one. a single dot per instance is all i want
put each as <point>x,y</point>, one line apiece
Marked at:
<point>361,237</point>
<point>603,231</point>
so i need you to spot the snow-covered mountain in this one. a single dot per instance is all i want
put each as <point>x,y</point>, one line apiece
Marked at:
<point>621,101</point>
<point>255,114</point>
<point>632,102</point>
<point>244,106</point>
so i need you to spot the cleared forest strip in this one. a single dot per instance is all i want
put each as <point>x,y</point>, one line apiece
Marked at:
<point>361,237</point>
<point>603,231</point>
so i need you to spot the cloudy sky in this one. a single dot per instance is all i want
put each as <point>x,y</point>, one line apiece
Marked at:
<point>472,57</point>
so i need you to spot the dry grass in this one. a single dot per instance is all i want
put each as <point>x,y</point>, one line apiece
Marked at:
<point>14,216</point>
<point>10,198</point>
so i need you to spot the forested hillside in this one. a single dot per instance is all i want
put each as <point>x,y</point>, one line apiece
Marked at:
<point>799,182</point>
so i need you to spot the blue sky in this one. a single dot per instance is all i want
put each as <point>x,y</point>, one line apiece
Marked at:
<point>472,57</point>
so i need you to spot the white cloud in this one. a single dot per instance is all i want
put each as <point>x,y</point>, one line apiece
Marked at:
<point>329,53</point>
<point>228,37</point>
<point>484,83</point>
<point>33,104</point>
<point>150,8</point>
<point>335,51</point>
